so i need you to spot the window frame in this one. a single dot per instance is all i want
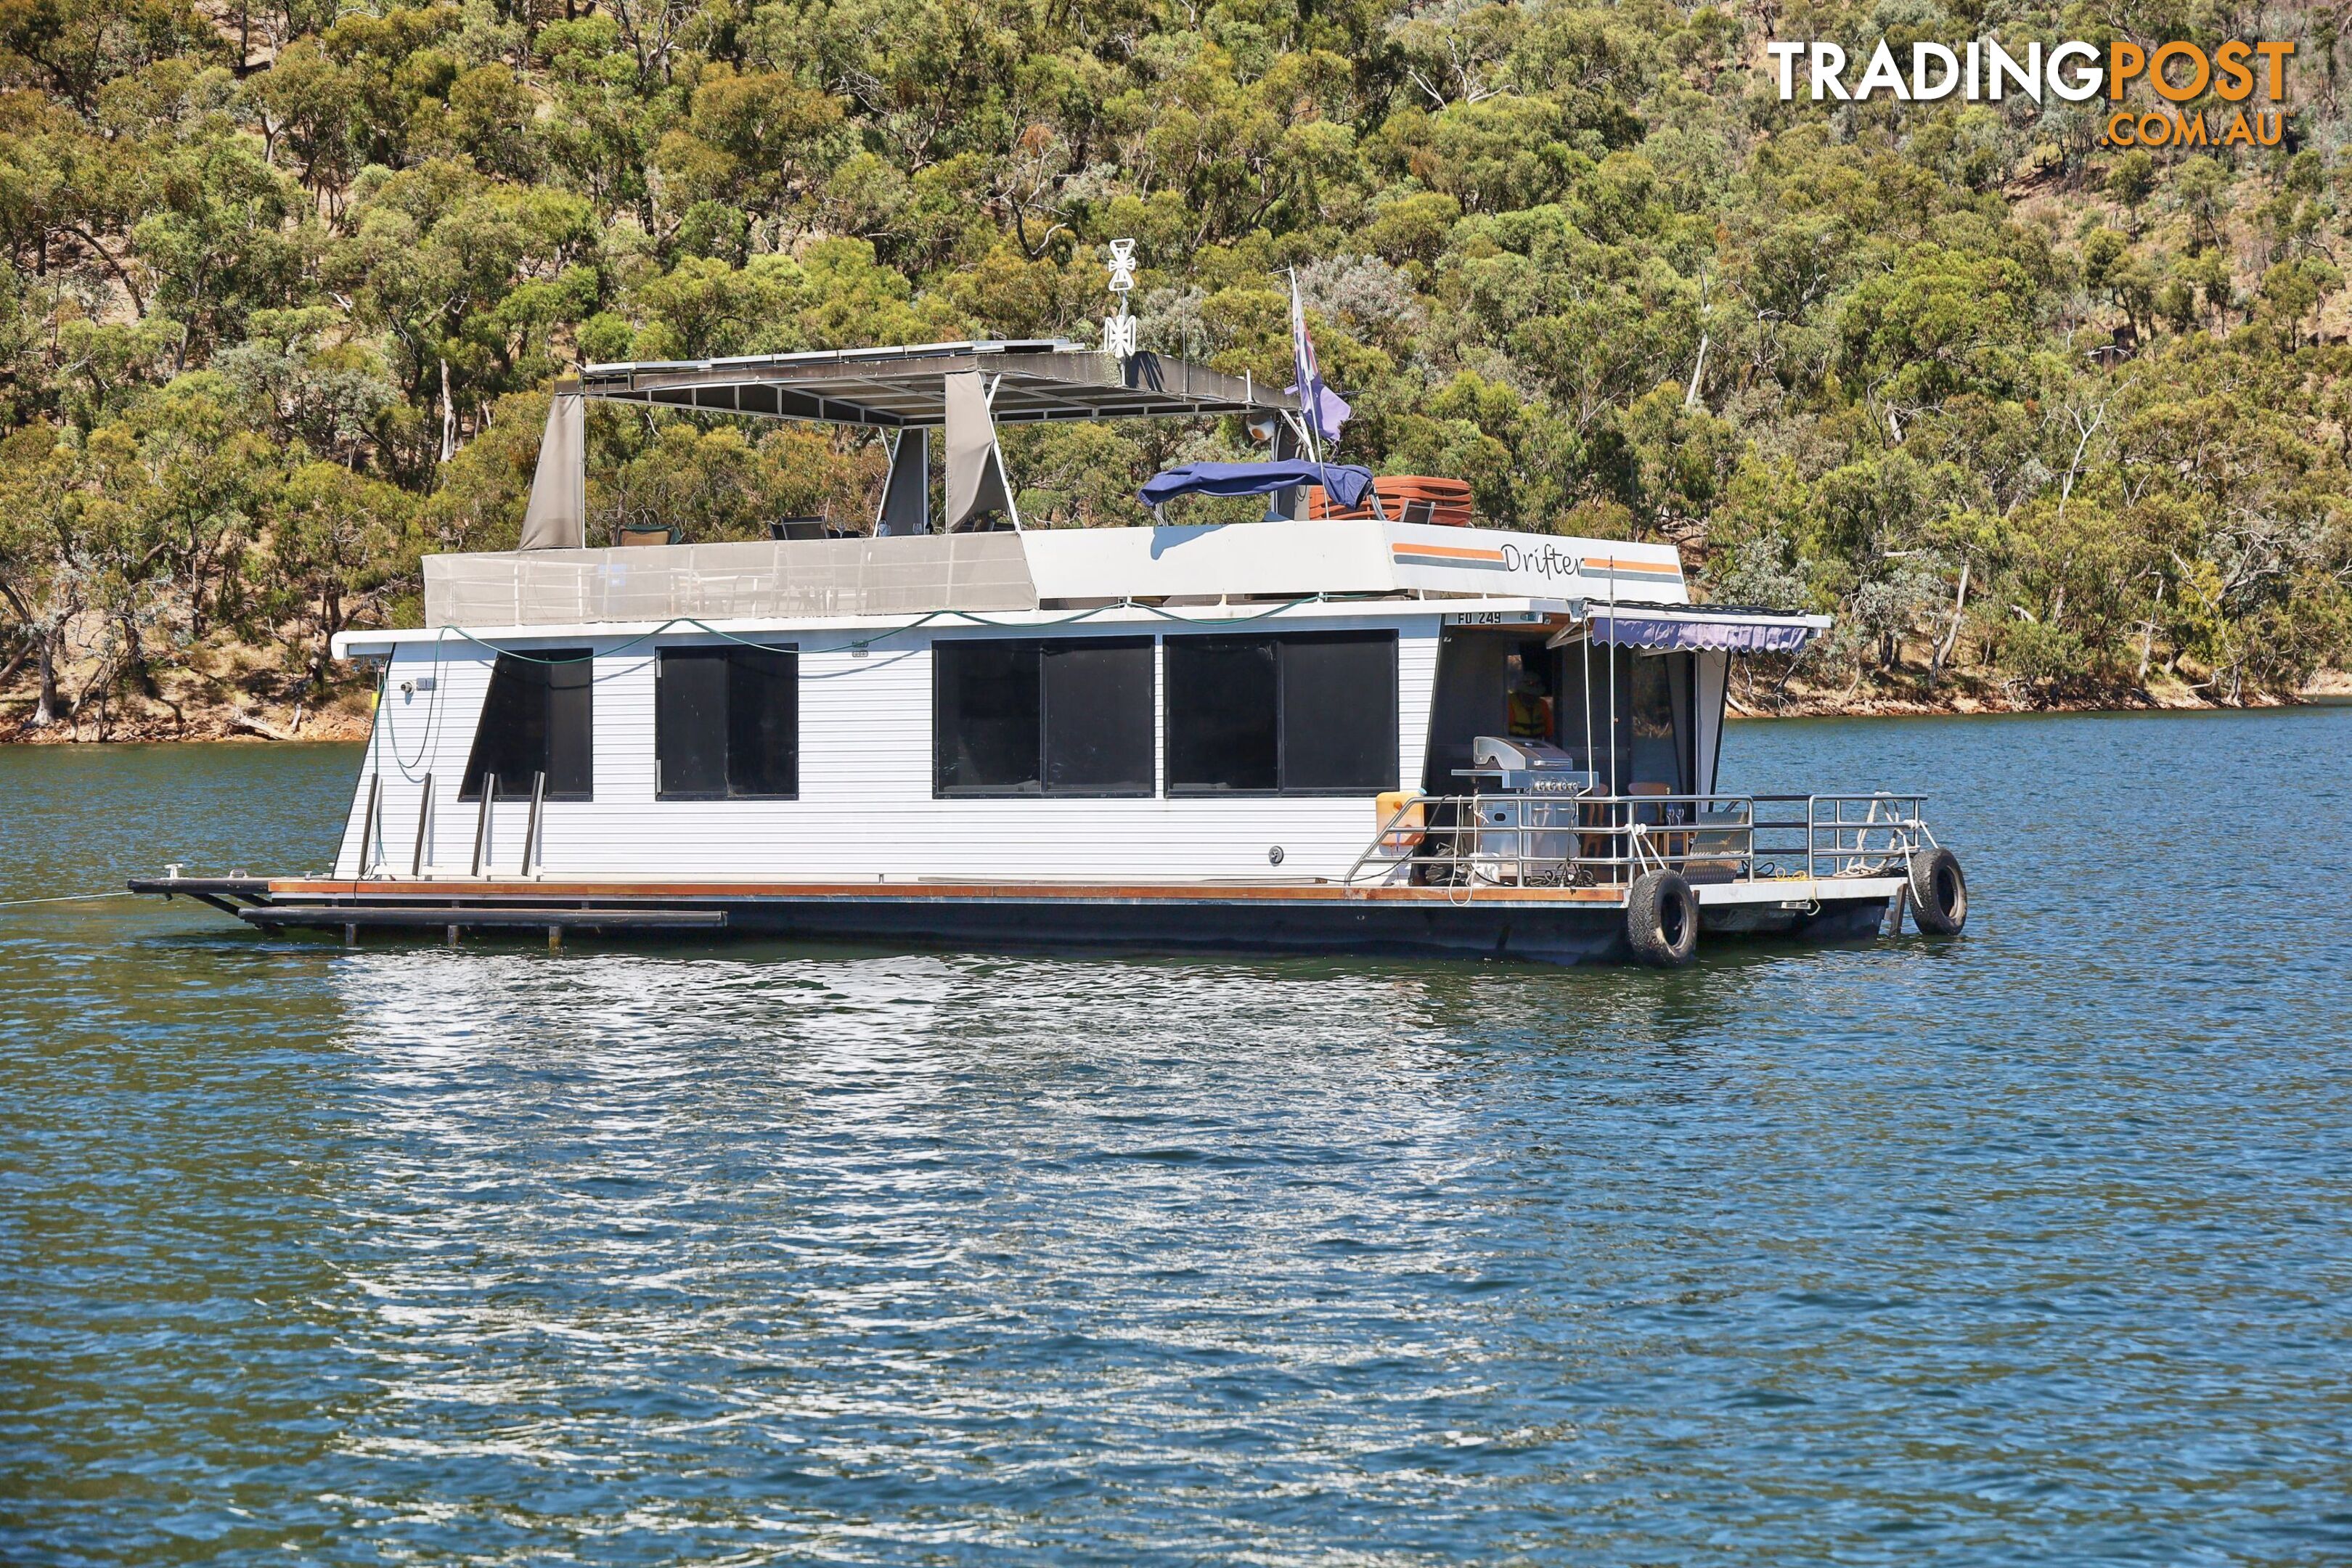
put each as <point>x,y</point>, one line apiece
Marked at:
<point>1045,788</point>
<point>726,653</point>
<point>1390,636</point>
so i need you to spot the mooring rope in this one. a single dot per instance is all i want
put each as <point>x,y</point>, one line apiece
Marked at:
<point>770,639</point>
<point>67,898</point>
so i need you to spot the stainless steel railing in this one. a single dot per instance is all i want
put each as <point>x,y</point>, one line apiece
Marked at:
<point>1495,840</point>
<point>1861,835</point>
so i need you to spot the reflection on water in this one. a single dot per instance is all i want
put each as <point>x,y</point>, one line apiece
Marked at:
<point>946,1244</point>
<point>2027,1246</point>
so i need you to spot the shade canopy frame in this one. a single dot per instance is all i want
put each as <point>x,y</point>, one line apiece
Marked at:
<point>1032,381</point>
<point>964,389</point>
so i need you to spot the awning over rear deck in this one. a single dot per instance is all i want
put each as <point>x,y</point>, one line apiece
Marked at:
<point>1703,628</point>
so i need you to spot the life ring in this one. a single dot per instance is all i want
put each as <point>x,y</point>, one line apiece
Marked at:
<point>1939,893</point>
<point>1662,920</point>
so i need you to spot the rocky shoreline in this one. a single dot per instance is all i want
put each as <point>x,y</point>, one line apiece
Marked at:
<point>1984,698</point>
<point>345,716</point>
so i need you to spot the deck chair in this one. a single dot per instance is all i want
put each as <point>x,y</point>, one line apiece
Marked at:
<point>1718,846</point>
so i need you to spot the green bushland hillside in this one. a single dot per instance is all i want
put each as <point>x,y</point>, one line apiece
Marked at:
<point>281,290</point>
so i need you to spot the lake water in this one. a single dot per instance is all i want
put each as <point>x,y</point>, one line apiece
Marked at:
<point>2029,1247</point>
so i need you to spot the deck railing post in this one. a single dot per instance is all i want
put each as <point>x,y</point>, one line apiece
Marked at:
<point>530,830</point>
<point>368,834</point>
<point>423,821</point>
<point>482,822</point>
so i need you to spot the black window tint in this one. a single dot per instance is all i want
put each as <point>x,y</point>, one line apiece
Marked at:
<point>690,723</point>
<point>1222,715</point>
<point>571,755</point>
<point>1305,713</point>
<point>1338,712</point>
<point>1098,716</point>
<point>763,721</point>
<point>538,718</point>
<point>1022,716</point>
<point>727,723</point>
<point>510,738</point>
<point>985,717</point>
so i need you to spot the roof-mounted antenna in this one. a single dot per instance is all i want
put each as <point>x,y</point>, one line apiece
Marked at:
<point>1122,335</point>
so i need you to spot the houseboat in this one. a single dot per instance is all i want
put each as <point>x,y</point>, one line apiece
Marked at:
<point>1362,723</point>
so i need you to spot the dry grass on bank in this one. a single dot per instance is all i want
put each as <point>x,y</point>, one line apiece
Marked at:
<point>229,692</point>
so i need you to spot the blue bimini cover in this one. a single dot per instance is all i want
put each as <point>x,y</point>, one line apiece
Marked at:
<point>1345,483</point>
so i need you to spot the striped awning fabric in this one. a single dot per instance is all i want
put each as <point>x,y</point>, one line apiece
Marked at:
<point>1703,628</point>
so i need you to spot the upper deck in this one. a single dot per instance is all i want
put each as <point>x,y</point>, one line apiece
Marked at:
<point>1058,569</point>
<point>978,557</point>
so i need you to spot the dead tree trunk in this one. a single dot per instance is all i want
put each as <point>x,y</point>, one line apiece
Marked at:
<point>44,712</point>
<point>1952,634</point>
<point>2147,634</point>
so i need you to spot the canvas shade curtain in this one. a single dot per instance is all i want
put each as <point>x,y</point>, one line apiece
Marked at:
<point>557,517</point>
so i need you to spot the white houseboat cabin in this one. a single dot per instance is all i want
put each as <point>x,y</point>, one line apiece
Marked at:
<point>1363,723</point>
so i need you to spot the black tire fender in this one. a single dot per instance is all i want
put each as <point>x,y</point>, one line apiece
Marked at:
<point>1939,892</point>
<point>1662,920</point>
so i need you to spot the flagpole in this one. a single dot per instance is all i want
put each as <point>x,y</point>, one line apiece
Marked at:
<point>1307,421</point>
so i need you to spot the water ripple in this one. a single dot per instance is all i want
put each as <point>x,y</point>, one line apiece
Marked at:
<point>2030,1247</point>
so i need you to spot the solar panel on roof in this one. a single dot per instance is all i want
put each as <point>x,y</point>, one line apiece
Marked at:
<point>1032,381</point>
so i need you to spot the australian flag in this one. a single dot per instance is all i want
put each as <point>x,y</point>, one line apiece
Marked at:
<point>1323,409</point>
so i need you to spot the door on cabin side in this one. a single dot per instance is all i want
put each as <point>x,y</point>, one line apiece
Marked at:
<point>1622,715</point>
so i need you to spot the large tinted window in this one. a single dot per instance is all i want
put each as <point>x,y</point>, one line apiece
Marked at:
<point>1308,713</point>
<point>1098,716</point>
<point>1020,716</point>
<point>727,723</point>
<point>538,718</point>
<point>1224,708</point>
<point>1338,712</point>
<point>763,721</point>
<point>985,718</point>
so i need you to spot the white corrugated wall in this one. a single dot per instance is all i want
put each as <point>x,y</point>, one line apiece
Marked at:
<point>866,807</point>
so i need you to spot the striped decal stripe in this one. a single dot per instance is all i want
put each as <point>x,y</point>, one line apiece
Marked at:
<point>1479,558</point>
<point>1442,555</point>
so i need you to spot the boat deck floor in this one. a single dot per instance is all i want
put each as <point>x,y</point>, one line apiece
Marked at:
<point>541,891</point>
<point>1551,924</point>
